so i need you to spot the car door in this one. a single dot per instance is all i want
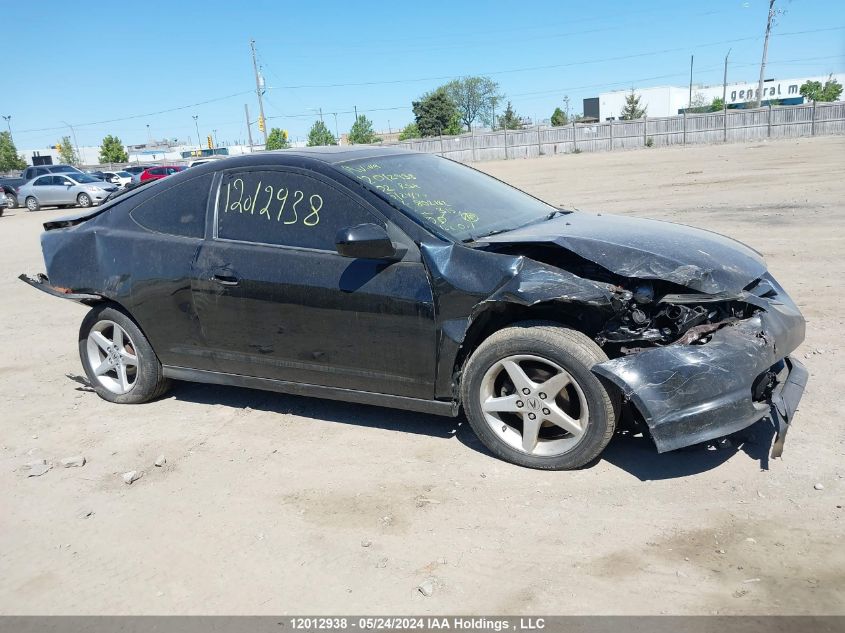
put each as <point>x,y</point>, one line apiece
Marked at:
<point>44,190</point>
<point>65,190</point>
<point>275,300</point>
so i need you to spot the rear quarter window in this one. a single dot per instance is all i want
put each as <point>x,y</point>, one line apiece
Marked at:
<point>178,210</point>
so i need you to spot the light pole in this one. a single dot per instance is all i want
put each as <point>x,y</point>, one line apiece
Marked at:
<point>336,133</point>
<point>72,131</point>
<point>215,138</point>
<point>8,118</point>
<point>149,138</point>
<point>195,117</point>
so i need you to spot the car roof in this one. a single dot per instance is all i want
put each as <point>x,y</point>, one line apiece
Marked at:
<point>333,154</point>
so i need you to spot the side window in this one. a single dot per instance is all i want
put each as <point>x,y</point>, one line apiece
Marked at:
<point>178,210</point>
<point>43,181</point>
<point>285,209</point>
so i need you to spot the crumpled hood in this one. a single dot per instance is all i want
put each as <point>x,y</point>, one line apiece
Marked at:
<point>648,249</point>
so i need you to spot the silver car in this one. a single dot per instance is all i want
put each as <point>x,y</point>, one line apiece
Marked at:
<point>64,189</point>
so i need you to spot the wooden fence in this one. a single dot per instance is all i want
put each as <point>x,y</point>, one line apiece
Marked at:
<point>732,126</point>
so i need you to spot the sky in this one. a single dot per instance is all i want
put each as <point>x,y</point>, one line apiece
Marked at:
<point>116,68</point>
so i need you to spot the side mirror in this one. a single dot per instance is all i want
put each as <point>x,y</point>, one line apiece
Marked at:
<point>365,241</point>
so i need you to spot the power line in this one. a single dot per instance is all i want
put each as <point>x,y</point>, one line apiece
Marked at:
<point>140,116</point>
<point>550,66</point>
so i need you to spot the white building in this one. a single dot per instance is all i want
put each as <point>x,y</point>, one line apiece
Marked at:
<point>672,100</point>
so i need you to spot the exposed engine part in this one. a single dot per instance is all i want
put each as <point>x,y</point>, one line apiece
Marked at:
<point>644,293</point>
<point>647,320</point>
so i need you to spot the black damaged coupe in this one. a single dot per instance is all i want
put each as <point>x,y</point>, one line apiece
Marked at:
<point>406,280</point>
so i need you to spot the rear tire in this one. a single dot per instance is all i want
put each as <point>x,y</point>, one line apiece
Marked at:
<point>13,200</point>
<point>118,359</point>
<point>32,204</point>
<point>530,396</point>
<point>83,200</point>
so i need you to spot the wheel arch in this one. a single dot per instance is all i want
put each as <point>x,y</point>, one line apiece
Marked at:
<point>497,316</point>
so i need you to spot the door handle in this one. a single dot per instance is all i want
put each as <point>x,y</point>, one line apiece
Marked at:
<point>226,280</point>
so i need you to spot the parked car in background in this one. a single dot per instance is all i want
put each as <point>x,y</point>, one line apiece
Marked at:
<point>99,175</point>
<point>136,171</point>
<point>10,195</point>
<point>64,189</point>
<point>40,170</point>
<point>162,171</point>
<point>4,203</point>
<point>119,178</point>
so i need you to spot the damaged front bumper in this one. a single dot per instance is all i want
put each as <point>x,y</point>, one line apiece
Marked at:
<point>693,393</point>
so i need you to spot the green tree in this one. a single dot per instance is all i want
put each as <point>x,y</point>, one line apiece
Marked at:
<point>632,109</point>
<point>112,151</point>
<point>277,139</point>
<point>815,91</point>
<point>362,132</point>
<point>9,158</point>
<point>559,118</point>
<point>717,105</point>
<point>475,98</point>
<point>66,152</point>
<point>510,120</point>
<point>409,131</point>
<point>436,113</point>
<point>319,135</point>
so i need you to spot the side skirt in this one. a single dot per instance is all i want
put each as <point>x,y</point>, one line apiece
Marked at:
<point>436,407</point>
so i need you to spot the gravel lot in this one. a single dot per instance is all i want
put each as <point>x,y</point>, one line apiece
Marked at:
<point>278,504</point>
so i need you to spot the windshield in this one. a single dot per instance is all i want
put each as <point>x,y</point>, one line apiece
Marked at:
<point>462,202</point>
<point>83,178</point>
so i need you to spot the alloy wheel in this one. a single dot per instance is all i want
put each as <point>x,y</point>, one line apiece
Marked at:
<point>534,405</point>
<point>112,357</point>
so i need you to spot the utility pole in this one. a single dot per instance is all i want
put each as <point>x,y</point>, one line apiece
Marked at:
<point>196,125</point>
<point>691,58</point>
<point>321,115</point>
<point>725,99</point>
<point>336,133</point>
<point>248,129</point>
<point>215,137</point>
<point>78,155</point>
<point>259,90</point>
<point>356,112</point>
<point>765,52</point>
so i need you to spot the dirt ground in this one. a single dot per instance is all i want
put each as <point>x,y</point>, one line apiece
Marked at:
<point>277,504</point>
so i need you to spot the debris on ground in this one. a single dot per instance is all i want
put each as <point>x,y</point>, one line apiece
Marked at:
<point>38,467</point>
<point>85,513</point>
<point>819,486</point>
<point>382,563</point>
<point>426,588</point>
<point>366,542</point>
<point>77,461</point>
<point>160,461</point>
<point>132,475</point>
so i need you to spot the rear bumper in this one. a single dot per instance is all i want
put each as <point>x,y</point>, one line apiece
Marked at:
<point>693,393</point>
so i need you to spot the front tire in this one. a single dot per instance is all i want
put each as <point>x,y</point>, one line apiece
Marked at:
<point>83,200</point>
<point>119,361</point>
<point>530,396</point>
<point>32,204</point>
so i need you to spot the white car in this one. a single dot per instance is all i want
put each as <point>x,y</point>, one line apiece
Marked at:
<point>119,178</point>
<point>64,190</point>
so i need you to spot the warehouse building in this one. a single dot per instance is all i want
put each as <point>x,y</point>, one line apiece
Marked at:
<point>673,100</point>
